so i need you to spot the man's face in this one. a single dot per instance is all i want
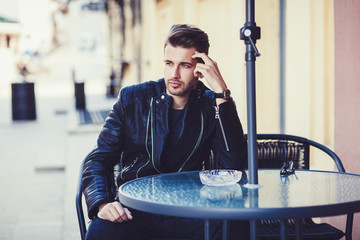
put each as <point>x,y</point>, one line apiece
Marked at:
<point>179,70</point>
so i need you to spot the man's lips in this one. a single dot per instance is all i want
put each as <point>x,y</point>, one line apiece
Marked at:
<point>175,84</point>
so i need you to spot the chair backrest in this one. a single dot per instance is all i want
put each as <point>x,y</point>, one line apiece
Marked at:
<point>275,149</point>
<point>272,153</point>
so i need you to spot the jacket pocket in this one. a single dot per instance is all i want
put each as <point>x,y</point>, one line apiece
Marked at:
<point>131,171</point>
<point>128,167</point>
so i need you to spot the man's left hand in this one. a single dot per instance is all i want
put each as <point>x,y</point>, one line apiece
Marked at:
<point>210,71</point>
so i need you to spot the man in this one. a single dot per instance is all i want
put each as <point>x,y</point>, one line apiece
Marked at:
<point>169,125</point>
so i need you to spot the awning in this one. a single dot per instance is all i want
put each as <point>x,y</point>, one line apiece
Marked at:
<point>9,26</point>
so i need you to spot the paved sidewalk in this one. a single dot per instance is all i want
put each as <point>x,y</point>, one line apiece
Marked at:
<point>40,159</point>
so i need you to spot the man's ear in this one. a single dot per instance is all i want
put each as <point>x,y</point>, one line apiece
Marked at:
<point>198,74</point>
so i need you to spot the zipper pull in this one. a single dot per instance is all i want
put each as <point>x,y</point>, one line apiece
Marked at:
<point>217,115</point>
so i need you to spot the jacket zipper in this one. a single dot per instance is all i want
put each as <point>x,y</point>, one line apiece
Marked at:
<point>217,116</point>
<point>146,139</point>
<point>152,135</point>
<point>137,172</point>
<point>197,142</point>
<point>149,125</point>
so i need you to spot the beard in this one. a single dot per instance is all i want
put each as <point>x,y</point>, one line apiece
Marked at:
<point>178,88</point>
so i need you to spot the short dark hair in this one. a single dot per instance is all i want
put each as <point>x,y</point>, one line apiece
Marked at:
<point>187,36</point>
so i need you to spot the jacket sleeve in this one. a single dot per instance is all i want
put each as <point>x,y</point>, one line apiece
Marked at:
<point>98,179</point>
<point>229,143</point>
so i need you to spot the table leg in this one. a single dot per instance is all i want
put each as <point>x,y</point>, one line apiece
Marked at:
<point>254,226</point>
<point>283,229</point>
<point>349,226</point>
<point>298,229</point>
<point>207,229</point>
<point>225,230</point>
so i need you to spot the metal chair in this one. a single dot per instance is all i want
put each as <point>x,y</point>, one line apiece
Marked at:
<point>79,199</point>
<point>273,151</point>
<point>79,205</point>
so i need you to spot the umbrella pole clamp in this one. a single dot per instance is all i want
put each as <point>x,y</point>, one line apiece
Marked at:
<point>250,34</point>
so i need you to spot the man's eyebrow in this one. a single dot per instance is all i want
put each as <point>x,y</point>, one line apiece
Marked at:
<point>188,63</point>
<point>181,63</point>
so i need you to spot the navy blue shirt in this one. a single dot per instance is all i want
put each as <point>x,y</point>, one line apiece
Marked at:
<point>172,163</point>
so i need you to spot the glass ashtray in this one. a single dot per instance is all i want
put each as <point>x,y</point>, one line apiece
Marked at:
<point>220,177</point>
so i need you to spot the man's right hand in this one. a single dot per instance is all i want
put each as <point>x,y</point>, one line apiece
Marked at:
<point>114,212</point>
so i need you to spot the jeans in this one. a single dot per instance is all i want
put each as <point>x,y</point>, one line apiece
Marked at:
<point>146,226</point>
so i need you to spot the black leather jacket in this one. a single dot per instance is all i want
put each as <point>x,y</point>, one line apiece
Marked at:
<point>136,131</point>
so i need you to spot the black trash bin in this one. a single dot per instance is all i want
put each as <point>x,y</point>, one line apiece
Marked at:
<point>23,101</point>
<point>80,103</point>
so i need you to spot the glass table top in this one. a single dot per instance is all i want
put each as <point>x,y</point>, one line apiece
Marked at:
<point>315,192</point>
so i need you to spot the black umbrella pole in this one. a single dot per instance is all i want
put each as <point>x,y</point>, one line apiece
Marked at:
<point>252,140</point>
<point>251,119</point>
<point>250,33</point>
<point>250,11</point>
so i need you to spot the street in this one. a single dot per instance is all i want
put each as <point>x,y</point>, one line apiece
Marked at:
<point>40,158</point>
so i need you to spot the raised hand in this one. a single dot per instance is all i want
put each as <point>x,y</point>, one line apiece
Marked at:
<point>210,71</point>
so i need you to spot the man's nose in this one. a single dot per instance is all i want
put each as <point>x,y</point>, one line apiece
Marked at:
<point>175,73</point>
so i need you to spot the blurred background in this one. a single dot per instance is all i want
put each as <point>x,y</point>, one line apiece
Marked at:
<point>63,62</point>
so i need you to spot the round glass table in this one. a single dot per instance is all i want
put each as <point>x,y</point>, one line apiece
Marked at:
<point>303,194</point>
